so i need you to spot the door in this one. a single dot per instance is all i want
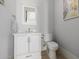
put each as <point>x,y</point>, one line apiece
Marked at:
<point>21,44</point>
<point>35,42</point>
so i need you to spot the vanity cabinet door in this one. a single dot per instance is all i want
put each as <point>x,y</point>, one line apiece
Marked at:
<point>30,56</point>
<point>21,45</point>
<point>35,43</point>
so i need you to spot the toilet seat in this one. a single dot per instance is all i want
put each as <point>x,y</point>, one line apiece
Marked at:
<point>52,45</point>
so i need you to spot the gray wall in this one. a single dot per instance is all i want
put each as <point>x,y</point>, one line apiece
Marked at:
<point>67,32</point>
<point>11,6</point>
<point>50,16</point>
<point>6,39</point>
<point>4,33</point>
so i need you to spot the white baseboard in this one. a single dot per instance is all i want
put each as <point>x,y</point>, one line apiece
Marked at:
<point>68,54</point>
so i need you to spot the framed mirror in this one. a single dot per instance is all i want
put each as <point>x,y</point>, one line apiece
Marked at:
<point>29,15</point>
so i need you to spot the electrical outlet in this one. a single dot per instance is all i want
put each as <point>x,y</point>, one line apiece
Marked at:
<point>2,2</point>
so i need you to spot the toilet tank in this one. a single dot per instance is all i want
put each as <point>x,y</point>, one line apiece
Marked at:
<point>48,37</point>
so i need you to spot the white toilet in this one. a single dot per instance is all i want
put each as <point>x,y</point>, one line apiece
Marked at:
<point>52,46</point>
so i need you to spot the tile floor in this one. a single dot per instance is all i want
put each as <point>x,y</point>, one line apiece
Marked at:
<point>59,55</point>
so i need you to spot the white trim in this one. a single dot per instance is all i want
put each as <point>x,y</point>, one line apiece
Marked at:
<point>68,54</point>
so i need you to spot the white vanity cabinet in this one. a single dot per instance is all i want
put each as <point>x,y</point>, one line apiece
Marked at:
<point>27,46</point>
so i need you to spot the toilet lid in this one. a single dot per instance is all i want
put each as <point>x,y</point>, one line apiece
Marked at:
<point>52,45</point>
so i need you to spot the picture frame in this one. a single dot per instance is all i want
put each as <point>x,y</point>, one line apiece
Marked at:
<point>70,9</point>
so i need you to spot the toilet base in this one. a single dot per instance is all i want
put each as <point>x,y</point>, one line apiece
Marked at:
<point>52,54</point>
